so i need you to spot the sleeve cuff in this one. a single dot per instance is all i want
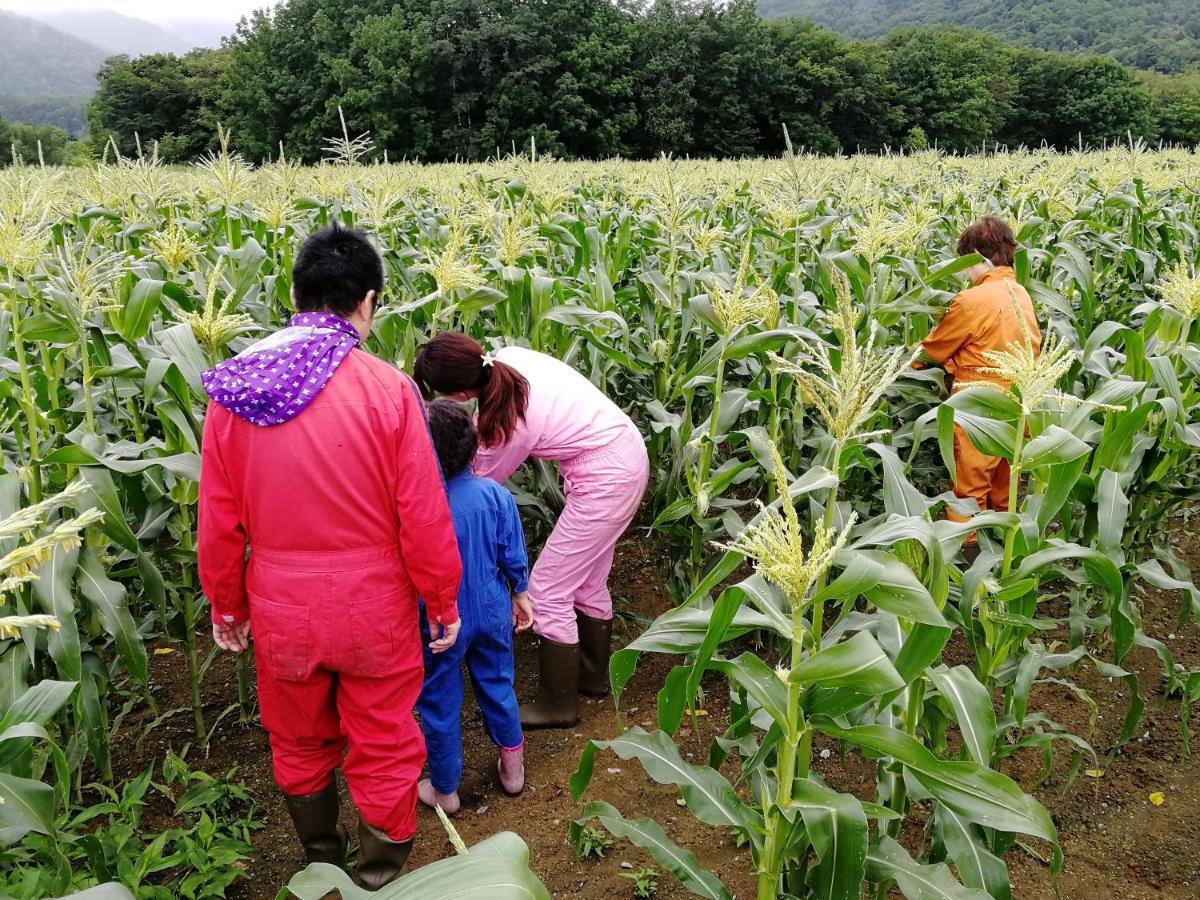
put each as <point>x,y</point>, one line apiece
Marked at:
<point>227,618</point>
<point>448,614</point>
<point>521,586</point>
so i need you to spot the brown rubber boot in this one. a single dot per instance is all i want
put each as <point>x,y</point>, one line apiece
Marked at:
<point>595,644</point>
<point>557,703</point>
<point>380,859</point>
<point>316,819</point>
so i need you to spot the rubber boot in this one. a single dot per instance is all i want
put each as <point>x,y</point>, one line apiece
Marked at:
<point>316,819</point>
<point>380,859</point>
<point>970,552</point>
<point>431,797</point>
<point>595,644</point>
<point>511,769</point>
<point>557,703</point>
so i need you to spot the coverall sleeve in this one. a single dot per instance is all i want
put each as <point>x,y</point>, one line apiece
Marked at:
<point>221,536</point>
<point>510,540</point>
<point>427,542</point>
<point>951,333</point>
<point>499,463</point>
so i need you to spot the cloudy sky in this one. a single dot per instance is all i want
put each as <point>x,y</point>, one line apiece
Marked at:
<point>155,10</point>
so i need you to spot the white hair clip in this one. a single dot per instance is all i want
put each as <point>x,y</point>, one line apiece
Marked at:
<point>488,360</point>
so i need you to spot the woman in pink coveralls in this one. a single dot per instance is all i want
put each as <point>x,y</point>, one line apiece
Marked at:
<point>532,405</point>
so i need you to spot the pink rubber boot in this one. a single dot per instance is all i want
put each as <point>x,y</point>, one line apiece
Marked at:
<point>426,793</point>
<point>511,769</point>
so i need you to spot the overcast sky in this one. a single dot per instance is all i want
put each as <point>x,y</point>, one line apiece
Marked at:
<point>155,10</point>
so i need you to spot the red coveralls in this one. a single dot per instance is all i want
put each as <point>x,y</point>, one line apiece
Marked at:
<point>345,513</point>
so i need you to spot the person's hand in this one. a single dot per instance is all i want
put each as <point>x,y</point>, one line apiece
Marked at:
<point>449,636</point>
<point>522,611</point>
<point>234,638</point>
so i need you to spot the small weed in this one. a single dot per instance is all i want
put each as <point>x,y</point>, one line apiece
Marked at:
<point>645,883</point>
<point>592,842</point>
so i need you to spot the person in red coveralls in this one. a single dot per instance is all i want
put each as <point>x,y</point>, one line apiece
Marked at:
<point>317,457</point>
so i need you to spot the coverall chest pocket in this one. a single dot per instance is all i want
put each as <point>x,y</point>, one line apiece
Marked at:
<point>281,637</point>
<point>377,629</point>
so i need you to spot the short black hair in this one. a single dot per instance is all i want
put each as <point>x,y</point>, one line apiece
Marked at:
<point>334,271</point>
<point>454,436</point>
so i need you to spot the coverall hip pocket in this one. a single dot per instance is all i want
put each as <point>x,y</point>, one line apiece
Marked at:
<point>378,636</point>
<point>281,638</point>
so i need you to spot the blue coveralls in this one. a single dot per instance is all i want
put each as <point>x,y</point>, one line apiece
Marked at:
<point>491,543</point>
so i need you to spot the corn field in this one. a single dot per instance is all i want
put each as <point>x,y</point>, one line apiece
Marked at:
<point>758,320</point>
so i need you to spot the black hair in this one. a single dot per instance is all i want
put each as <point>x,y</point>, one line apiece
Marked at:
<point>335,270</point>
<point>454,436</point>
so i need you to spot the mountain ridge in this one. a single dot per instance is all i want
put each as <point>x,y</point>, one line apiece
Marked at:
<point>112,31</point>
<point>1160,35</point>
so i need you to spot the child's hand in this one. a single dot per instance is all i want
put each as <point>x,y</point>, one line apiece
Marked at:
<point>522,611</point>
<point>449,636</point>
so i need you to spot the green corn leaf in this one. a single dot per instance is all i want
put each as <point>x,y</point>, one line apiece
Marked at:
<point>836,824</point>
<point>899,496</point>
<point>760,681</point>
<point>966,847</point>
<point>55,593</point>
<point>104,490</point>
<point>978,794</point>
<point>1112,511</point>
<point>495,869</point>
<point>109,598</point>
<point>858,664</point>
<point>1053,447</point>
<point>899,592</point>
<point>972,705</point>
<point>648,834</point>
<point>708,795</point>
<point>887,860</point>
<point>25,805</point>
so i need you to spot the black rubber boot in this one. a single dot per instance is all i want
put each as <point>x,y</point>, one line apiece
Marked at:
<point>380,859</point>
<point>595,644</point>
<point>316,821</point>
<point>970,552</point>
<point>557,703</point>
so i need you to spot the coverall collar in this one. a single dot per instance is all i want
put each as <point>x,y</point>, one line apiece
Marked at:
<point>1000,273</point>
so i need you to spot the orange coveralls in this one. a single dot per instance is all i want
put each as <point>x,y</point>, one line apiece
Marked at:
<point>980,319</point>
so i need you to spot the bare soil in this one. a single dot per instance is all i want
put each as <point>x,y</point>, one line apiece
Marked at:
<point>1117,843</point>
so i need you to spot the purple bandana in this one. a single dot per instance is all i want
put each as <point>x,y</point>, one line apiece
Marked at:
<point>274,380</point>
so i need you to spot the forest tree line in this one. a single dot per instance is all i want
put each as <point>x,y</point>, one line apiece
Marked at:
<point>465,79</point>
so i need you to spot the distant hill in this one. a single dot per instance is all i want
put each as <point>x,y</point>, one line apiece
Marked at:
<point>1163,35</point>
<point>38,59</point>
<point>114,32</point>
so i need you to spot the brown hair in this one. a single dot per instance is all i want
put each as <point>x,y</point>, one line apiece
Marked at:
<point>991,238</point>
<point>453,362</point>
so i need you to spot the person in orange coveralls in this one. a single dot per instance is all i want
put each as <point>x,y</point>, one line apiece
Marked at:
<point>978,320</point>
<point>317,456</point>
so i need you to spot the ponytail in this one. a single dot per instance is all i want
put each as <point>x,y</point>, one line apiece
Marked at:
<point>502,403</point>
<point>453,362</point>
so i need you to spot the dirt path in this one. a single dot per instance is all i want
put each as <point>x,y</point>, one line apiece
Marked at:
<point>1117,844</point>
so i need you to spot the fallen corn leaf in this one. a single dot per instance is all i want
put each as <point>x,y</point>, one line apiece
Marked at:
<point>163,651</point>
<point>697,712</point>
<point>1157,798</point>
<point>1094,773</point>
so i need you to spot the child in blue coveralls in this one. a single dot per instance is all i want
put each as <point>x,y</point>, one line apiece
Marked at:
<point>492,599</point>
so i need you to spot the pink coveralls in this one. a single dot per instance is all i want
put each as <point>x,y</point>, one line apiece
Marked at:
<point>605,468</point>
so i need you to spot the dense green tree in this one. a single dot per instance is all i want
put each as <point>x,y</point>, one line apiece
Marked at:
<point>833,95</point>
<point>5,141</point>
<point>1065,100</point>
<point>1175,104</point>
<point>467,79</point>
<point>954,84</point>
<point>36,143</point>
<point>164,98</point>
